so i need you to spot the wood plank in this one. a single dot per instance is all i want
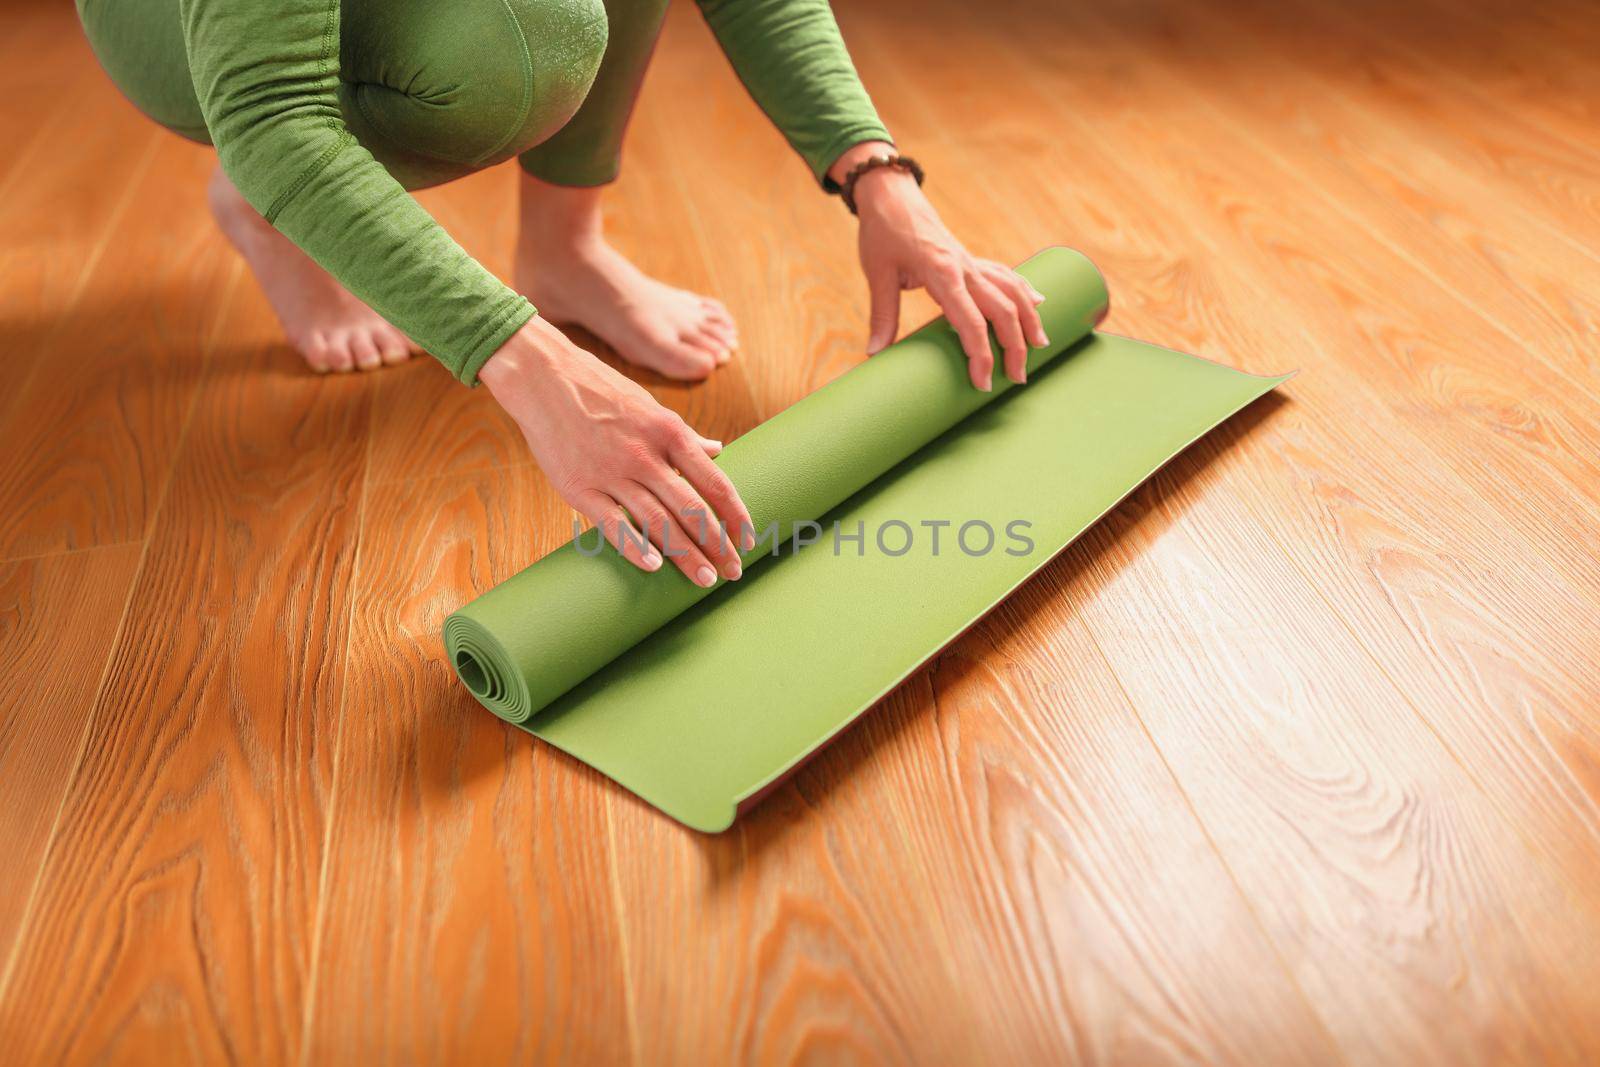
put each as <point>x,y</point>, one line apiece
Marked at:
<point>48,254</point>
<point>468,907</point>
<point>48,76</point>
<point>1342,137</point>
<point>1448,109</point>
<point>58,617</point>
<point>1369,516</point>
<point>1530,776</point>
<point>93,433</point>
<point>1525,711</point>
<point>175,910</point>
<point>1356,836</point>
<point>1533,56</point>
<point>37,37</point>
<point>1502,74</point>
<point>1386,545</point>
<point>976,871</point>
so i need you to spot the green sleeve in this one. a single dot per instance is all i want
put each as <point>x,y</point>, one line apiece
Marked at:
<point>267,73</point>
<point>791,58</point>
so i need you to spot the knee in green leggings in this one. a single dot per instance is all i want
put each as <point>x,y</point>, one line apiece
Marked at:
<point>433,90</point>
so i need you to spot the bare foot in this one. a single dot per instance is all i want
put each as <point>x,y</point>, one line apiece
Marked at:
<point>331,328</point>
<point>572,275</point>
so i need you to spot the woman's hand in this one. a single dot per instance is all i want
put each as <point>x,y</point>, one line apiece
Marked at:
<point>905,245</point>
<point>615,454</point>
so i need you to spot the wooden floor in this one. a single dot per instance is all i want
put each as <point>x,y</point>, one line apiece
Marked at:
<point>1295,758</point>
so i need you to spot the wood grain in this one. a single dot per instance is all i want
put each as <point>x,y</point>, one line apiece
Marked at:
<point>58,617</point>
<point>1294,759</point>
<point>468,890</point>
<point>58,211</point>
<point>93,429</point>
<point>1464,621</point>
<point>175,908</point>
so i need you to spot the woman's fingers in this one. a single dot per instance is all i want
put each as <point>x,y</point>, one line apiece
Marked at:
<point>716,489</point>
<point>612,521</point>
<point>708,530</point>
<point>1000,308</point>
<point>883,321</point>
<point>670,530</point>
<point>1025,297</point>
<point>949,290</point>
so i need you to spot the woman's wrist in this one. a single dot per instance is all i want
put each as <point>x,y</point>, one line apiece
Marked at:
<point>873,184</point>
<point>856,154</point>
<point>528,354</point>
<point>883,184</point>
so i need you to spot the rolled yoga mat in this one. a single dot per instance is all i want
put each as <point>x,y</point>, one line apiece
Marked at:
<point>925,502</point>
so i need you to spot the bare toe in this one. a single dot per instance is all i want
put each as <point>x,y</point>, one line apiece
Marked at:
<point>673,331</point>
<point>707,341</point>
<point>689,361</point>
<point>332,328</point>
<point>393,347</point>
<point>365,351</point>
<point>340,360</point>
<point>721,331</point>
<point>319,357</point>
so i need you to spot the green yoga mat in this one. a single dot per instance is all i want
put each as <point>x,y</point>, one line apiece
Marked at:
<point>924,502</point>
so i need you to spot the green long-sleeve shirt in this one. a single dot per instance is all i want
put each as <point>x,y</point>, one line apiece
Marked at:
<point>266,73</point>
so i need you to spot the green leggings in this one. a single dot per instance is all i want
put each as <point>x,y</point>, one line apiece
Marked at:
<point>324,112</point>
<point>434,90</point>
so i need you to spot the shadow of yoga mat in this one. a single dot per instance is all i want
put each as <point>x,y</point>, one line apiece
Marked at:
<point>700,700</point>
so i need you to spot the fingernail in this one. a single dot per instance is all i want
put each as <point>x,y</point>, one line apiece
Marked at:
<point>651,560</point>
<point>731,570</point>
<point>988,384</point>
<point>747,540</point>
<point>716,445</point>
<point>705,577</point>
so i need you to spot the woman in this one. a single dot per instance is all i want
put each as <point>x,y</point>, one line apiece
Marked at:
<point>325,112</point>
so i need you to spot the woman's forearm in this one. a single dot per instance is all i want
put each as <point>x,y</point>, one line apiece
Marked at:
<point>793,61</point>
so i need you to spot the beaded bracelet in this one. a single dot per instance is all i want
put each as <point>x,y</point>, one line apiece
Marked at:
<point>847,188</point>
